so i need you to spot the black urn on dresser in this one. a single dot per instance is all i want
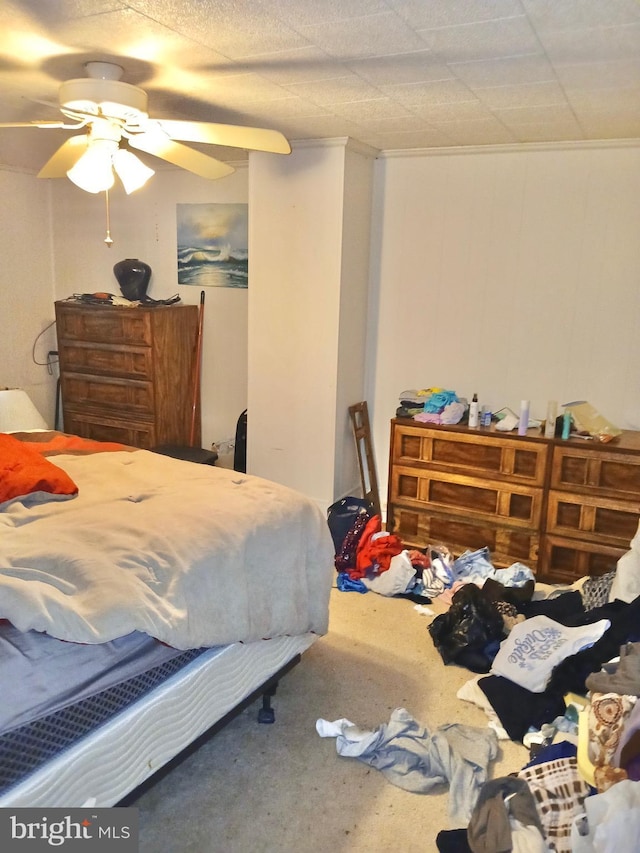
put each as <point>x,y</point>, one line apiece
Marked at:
<point>133,276</point>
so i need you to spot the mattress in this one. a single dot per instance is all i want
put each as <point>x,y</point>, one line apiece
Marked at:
<point>49,676</point>
<point>108,763</point>
<point>103,542</point>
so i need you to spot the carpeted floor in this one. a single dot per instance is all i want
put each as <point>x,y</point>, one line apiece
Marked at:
<point>261,788</point>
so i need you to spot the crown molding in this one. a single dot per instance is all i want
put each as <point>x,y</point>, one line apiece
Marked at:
<point>520,147</point>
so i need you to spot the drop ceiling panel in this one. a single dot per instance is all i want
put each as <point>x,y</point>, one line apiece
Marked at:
<point>390,73</point>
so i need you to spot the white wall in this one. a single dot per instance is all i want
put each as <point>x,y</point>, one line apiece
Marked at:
<point>143,225</point>
<point>307,313</point>
<point>513,273</point>
<point>26,289</point>
<point>354,296</point>
<point>294,310</point>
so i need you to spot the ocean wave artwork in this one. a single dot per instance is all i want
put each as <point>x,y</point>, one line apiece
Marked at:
<point>212,245</point>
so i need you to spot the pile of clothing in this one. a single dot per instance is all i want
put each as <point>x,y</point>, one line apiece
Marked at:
<point>371,559</point>
<point>541,653</point>
<point>432,405</point>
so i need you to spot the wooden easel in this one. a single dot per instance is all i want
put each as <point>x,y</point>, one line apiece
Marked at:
<point>359,414</point>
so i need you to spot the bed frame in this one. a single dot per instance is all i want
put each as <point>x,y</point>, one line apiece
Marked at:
<point>125,756</point>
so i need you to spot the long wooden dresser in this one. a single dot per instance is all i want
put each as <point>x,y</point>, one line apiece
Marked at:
<point>126,374</point>
<point>565,508</point>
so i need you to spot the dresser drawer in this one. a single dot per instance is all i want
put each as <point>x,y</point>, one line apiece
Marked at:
<point>419,529</point>
<point>597,472</point>
<point>503,501</point>
<point>611,522</point>
<point>110,360</point>
<point>105,323</point>
<point>480,454</point>
<point>101,428</point>
<point>97,392</point>
<point>564,560</point>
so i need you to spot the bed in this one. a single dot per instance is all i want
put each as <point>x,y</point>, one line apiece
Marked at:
<point>143,599</point>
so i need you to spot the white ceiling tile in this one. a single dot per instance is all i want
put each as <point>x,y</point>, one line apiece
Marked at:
<point>238,88</point>
<point>430,138</point>
<point>53,11</point>
<point>486,40</point>
<point>556,113</point>
<point>527,95</point>
<point>329,126</point>
<point>470,111</point>
<point>161,52</point>
<point>605,100</point>
<point>371,109</point>
<point>571,14</point>
<point>426,14</point>
<point>548,132</point>
<point>438,92</point>
<point>286,108</point>
<point>294,66</point>
<point>300,13</point>
<point>513,70</point>
<point>337,90</point>
<point>486,131</point>
<point>611,125</point>
<point>395,124</point>
<point>235,28</point>
<point>418,67</point>
<point>593,44</point>
<point>587,75</point>
<point>373,35</point>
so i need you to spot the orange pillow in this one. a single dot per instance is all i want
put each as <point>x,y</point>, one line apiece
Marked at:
<point>26,475</point>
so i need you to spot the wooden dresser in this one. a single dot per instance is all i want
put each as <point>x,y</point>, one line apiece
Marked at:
<point>126,373</point>
<point>564,508</point>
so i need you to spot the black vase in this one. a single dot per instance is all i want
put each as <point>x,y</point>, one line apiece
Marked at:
<point>133,277</point>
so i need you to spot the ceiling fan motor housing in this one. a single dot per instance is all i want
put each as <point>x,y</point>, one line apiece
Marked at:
<point>109,98</point>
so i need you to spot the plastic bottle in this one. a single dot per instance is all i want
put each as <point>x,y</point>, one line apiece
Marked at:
<point>552,414</point>
<point>523,423</point>
<point>485,417</point>
<point>474,411</point>
<point>566,424</point>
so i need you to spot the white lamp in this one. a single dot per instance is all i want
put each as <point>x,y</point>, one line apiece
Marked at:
<point>93,172</point>
<point>17,412</point>
<point>131,170</point>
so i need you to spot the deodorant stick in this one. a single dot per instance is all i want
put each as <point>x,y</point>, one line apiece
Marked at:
<point>523,423</point>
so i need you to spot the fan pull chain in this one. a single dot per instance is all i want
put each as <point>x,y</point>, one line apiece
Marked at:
<point>108,239</point>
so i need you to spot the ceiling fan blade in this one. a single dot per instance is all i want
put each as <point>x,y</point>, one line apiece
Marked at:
<point>65,157</point>
<point>232,135</point>
<point>157,142</point>
<point>41,124</point>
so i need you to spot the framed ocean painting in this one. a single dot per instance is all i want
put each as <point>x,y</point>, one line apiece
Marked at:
<point>213,244</point>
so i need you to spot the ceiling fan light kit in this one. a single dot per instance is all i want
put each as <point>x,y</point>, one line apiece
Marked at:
<point>132,172</point>
<point>93,170</point>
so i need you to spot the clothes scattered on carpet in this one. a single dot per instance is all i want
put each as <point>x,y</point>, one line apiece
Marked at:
<point>557,668</point>
<point>412,758</point>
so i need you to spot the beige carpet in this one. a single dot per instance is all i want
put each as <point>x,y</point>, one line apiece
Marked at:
<point>282,788</point>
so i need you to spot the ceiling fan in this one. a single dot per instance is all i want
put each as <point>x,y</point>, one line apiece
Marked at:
<point>114,119</point>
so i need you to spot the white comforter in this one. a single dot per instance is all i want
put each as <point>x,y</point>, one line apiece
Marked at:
<point>190,554</point>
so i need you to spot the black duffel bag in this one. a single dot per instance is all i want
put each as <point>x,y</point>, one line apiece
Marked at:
<point>342,515</point>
